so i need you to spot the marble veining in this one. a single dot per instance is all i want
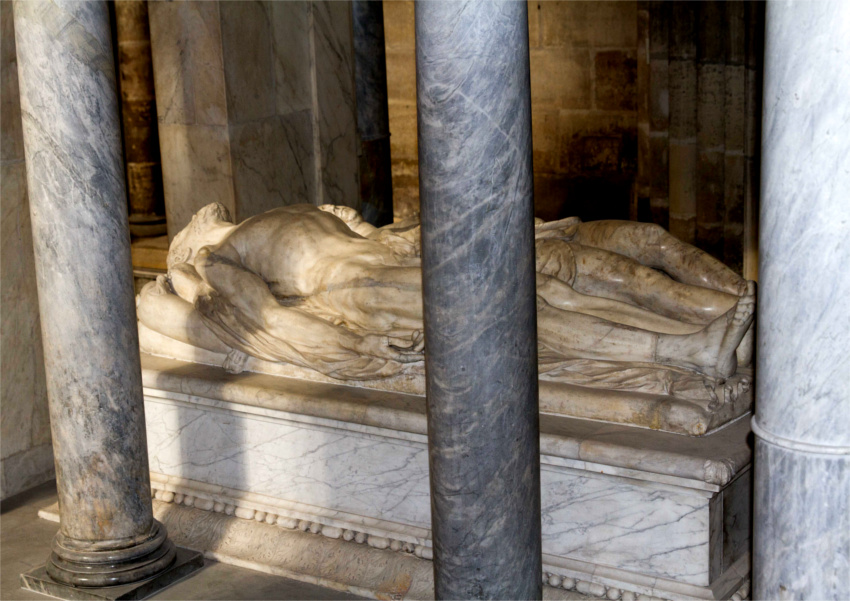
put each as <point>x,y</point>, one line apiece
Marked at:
<point>801,546</point>
<point>293,462</point>
<point>26,454</point>
<point>706,463</point>
<point>349,467</point>
<point>78,207</point>
<point>232,531</point>
<point>620,523</point>
<point>804,369</point>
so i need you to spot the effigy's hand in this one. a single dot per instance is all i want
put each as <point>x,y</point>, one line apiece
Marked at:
<point>385,347</point>
<point>563,229</point>
<point>186,282</point>
<point>414,344</point>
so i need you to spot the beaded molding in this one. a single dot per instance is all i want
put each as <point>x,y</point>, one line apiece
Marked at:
<point>590,589</point>
<point>596,589</point>
<point>334,532</point>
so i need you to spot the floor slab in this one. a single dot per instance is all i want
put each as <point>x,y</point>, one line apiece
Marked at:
<point>25,545</point>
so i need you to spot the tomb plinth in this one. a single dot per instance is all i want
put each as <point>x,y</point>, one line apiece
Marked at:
<point>248,461</point>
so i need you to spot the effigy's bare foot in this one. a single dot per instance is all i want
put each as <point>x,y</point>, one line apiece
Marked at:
<point>745,350</point>
<point>739,324</point>
<point>713,349</point>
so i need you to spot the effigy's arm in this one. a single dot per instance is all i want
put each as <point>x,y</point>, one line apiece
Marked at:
<point>163,310</point>
<point>403,237</point>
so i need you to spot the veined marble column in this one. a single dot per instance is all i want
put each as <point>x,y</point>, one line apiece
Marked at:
<point>82,253</point>
<point>802,464</point>
<point>373,119</point>
<point>479,297</point>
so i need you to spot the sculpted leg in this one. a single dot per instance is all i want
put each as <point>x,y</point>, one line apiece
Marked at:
<point>579,336</point>
<point>653,246</point>
<point>608,274</point>
<point>711,350</point>
<point>562,296</point>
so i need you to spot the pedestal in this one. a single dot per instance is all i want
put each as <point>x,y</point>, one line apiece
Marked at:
<point>185,562</point>
<point>626,509</point>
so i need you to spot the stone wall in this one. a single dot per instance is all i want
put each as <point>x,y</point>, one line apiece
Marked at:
<point>138,115</point>
<point>256,105</point>
<point>699,116</point>
<point>26,453</point>
<point>643,110</point>
<point>584,109</point>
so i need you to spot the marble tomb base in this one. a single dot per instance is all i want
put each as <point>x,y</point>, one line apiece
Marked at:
<point>626,511</point>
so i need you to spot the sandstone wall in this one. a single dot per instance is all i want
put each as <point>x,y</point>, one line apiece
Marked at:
<point>584,110</point>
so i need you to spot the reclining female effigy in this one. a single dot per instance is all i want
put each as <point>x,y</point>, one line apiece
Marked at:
<point>622,306</point>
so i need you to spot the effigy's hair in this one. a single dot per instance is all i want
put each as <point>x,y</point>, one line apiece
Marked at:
<point>215,211</point>
<point>180,250</point>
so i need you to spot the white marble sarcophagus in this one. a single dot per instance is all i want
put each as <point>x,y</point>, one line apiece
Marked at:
<point>626,511</point>
<point>284,384</point>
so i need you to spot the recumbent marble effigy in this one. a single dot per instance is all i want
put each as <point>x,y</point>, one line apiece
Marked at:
<point>634,326</point>
<point>317,421</point>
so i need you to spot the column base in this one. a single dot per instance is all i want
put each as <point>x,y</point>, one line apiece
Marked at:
<point>185,562</point>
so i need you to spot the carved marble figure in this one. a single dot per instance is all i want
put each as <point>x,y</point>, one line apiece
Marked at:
<point>320,288</point>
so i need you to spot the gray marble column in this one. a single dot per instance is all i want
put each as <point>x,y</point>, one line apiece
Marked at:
<point>373,119</point>
<point>479,297</point>
<point>72,145</point>
<point>802,424</point>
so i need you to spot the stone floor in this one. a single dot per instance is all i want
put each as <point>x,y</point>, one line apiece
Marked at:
<point>25,543</point>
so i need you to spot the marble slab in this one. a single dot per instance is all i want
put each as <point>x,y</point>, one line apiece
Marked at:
<point>651,512</point>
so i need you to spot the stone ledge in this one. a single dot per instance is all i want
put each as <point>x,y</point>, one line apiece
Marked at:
<point>185,563</point>
<point>707,462</point>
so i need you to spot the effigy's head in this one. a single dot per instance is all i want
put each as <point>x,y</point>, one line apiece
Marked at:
<point>208,227</point>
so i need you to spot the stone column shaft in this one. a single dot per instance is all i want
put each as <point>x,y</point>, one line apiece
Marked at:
<point>479,297</point>
<point>802,457</point>
<point>138,112</point>
<point>659,112</point>
<point>683,121</point>
<point>754,56</point>
<point>85,288</point>
<point>373,119</point>
<point>710,125</point>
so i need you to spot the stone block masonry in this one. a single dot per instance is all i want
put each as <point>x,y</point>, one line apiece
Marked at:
<point>698,172</point>
<point>260,125</point>
<point>583,99</point>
